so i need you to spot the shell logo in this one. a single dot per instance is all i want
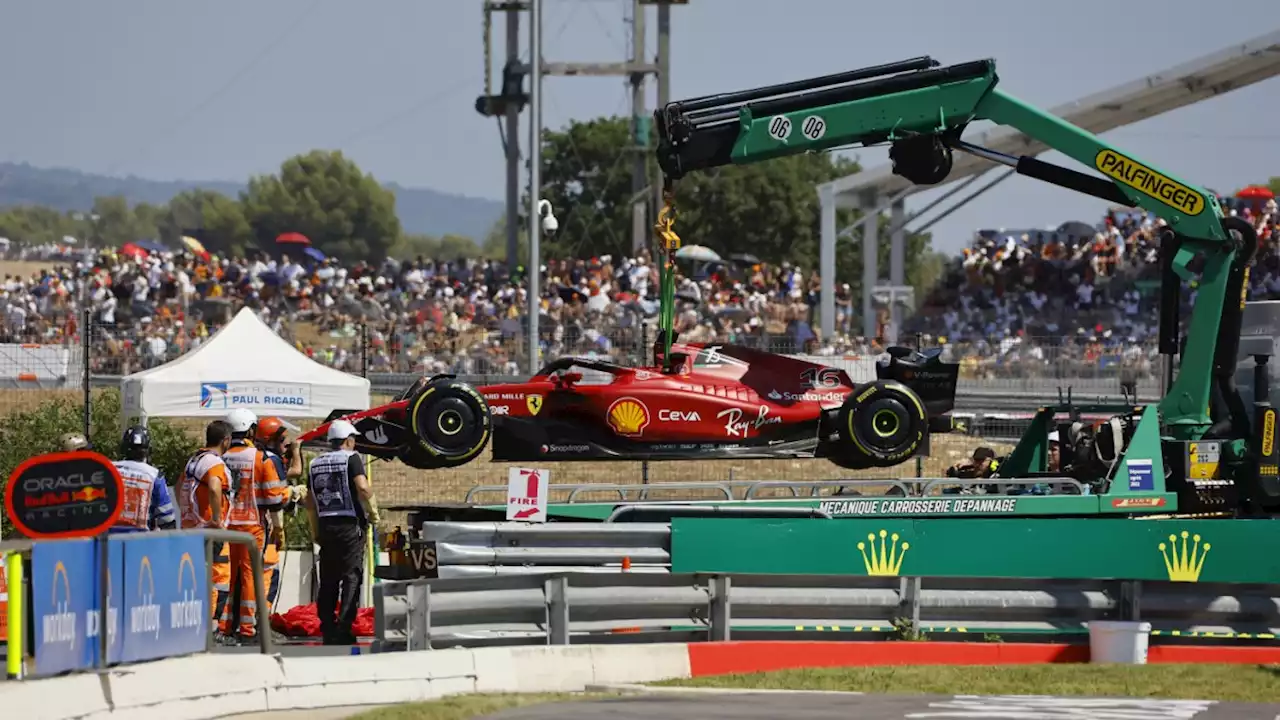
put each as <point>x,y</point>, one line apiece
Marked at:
<point>628,417</point>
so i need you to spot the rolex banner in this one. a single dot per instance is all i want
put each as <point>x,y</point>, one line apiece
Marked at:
<point>1170,550</point>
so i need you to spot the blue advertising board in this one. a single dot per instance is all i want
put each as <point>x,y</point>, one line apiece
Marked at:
<point>158,600</point>
<point>65,593</point>
<point>166,597</point>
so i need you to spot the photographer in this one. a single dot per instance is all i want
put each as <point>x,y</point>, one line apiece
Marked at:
<point>983,464</point>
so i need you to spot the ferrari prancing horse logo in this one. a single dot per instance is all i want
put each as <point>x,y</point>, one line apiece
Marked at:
<point>534,403</point>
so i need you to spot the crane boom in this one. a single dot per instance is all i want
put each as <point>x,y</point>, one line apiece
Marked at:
<point>921,109</point>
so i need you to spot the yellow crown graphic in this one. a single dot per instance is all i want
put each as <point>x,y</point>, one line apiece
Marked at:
<point>882,561</point>
<point>1184,565</point>
<point>628,416</point>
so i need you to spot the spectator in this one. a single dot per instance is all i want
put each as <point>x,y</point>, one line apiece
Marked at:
<point>1033,304</point>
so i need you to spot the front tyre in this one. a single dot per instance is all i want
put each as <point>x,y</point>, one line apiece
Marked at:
<point>450,423</point>
<point>882,424</point>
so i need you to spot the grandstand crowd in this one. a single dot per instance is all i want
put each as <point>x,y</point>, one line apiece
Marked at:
<point>1074,302</point>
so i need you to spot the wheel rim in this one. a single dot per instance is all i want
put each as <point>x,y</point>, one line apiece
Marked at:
<point>882,425</point>
<point>885,423</point>
<point>449,422</point>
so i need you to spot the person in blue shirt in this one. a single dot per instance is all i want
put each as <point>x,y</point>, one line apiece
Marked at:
<point>147,503</point>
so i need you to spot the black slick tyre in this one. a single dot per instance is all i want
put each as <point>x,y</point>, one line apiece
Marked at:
<point>882,424</point>
<point>450,424</point>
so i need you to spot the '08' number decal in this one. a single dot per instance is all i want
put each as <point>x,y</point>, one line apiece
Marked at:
<point>813,127</point>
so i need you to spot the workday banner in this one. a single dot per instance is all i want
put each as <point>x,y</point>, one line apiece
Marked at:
<point>166,597</point>
<point>65,593</point>
<point>158,600</point>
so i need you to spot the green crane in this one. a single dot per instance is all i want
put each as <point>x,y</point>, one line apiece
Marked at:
<point>921,110</point>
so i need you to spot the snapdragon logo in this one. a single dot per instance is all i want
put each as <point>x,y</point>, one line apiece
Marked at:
<point>188,612</point>
<point>59,627</point>
<point>144,617</point>
<point>821,397</point>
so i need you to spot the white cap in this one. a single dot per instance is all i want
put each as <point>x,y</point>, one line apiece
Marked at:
<point>1054,437</point>
<point>341,430</point>
<point>241,420</point>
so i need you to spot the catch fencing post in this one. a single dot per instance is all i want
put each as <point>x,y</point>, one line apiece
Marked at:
<point>557,594</point>
<point>85,332</point>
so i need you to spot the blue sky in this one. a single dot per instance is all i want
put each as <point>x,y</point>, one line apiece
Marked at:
<point>167,90</point>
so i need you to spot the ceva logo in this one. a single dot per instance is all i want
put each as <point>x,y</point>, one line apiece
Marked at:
<point>214,396</point>
<point>59,626</point>
<point>145,616</point>
<point>188,612</point>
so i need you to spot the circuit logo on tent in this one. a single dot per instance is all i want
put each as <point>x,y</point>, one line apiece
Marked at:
<point>214,396</point>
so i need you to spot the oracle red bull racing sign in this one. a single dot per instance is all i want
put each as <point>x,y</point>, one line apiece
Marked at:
<point>64,495</point>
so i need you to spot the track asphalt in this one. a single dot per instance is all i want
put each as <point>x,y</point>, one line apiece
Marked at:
<point>844,706</point>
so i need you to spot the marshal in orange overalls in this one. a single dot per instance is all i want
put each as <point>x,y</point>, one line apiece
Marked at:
<point>194,512</point>
<point>256,489</point>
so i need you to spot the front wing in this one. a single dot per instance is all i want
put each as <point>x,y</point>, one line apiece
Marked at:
<point>556,440</point>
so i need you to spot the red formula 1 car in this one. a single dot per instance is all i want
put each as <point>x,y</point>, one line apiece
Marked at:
<point>708,402</point>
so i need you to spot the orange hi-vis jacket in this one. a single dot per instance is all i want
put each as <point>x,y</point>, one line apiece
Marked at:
<point>193,497</point>
<point>254,484</point>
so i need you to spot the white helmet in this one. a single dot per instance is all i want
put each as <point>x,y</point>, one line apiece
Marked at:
<point>241,420</point>
<point>341,430</point>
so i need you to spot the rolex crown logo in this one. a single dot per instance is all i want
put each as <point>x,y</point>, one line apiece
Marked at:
<point>1183,564</point>
<point>885,559</point>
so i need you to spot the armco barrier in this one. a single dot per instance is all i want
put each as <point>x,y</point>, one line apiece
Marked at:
<point>478,549</point>
<point>156,591</point>
<point>566,608</point>
<point>209,686</point>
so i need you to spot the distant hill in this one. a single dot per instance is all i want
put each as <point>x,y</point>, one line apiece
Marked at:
<point>421,211</point>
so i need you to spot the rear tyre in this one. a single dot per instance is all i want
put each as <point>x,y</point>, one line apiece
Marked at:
<point>882,424</point>
<point>450,424</point>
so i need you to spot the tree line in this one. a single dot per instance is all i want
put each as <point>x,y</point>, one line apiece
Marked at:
<point>767,209</point>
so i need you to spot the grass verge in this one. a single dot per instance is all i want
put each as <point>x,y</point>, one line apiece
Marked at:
<point>463,707</point>
<point>1243,683</point>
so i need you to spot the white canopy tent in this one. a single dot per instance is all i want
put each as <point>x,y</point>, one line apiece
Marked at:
<point>245,365</point>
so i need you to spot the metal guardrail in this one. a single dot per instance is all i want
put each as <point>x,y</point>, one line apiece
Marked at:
<point>478,549</point>
<point>751,489</point>
<point>211,538</point>
<point>558,609</point>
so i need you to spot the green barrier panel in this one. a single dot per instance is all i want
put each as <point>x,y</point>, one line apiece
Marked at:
<point>1228,551</point>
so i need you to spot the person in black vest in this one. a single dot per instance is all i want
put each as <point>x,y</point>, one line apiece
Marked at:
<point>341,508</point>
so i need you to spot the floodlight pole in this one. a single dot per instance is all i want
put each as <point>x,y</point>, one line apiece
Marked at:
<point>535,178</point>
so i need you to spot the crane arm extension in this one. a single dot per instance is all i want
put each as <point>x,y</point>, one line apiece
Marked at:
<point>923,110</point>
